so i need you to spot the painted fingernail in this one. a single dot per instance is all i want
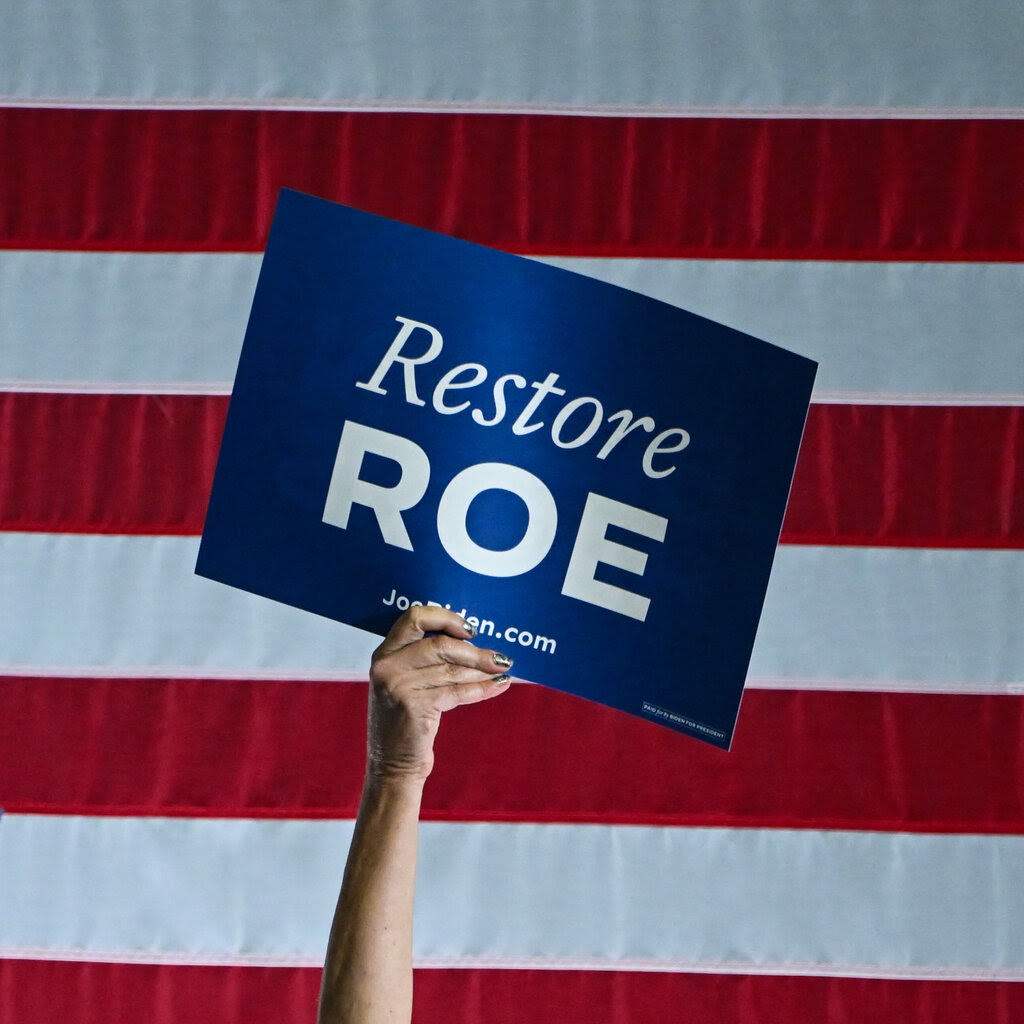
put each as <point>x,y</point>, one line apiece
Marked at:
<point>469,627</point>
<point>501,659</point>
<point>500,680</point>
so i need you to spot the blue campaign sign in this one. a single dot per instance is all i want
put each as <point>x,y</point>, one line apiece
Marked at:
<point>596,477</point>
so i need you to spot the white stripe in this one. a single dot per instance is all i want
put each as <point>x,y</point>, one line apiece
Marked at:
<point>123,322</point>
<point>836,618</point>
<point>899,333</point>
<point>128,606</point>
<point>946,333</point>
<point>500,895</point>
<point>668,55</point>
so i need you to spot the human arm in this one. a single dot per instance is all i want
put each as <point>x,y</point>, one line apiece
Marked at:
<point>422,669</point>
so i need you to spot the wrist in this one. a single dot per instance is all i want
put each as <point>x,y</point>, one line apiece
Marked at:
<point>397,786</point>
<point>398,763</point>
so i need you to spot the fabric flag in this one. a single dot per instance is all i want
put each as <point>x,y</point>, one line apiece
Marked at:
<point>180,763</point>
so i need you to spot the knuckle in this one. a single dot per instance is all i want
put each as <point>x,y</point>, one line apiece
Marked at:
<point>387,682</point>
<point>443,647</point>
<point>414,616</point>
<point>380,665</point>
<point>467,693</point>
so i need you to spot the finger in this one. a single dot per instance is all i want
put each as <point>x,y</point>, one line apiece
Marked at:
<point>445,650</point>
<point>473,692</point>
<point>427,681</point>
<point>417,622</point>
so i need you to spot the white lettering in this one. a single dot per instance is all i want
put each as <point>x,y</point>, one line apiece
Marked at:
<point>471,375</point>
<point>449,382</point>
<point>499,399</point>
<point>656,448</point>
<point>543,389</point>
<point>347,489</point>
<point>454,506</point>
<point>409,362</point>
<point>589,431</point>
<point>593,547</point>
<point>624,427</point>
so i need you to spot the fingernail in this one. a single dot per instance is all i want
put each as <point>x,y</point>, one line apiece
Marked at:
<point>499,680</point>
<point>469,627</point>
<point>501,659</point>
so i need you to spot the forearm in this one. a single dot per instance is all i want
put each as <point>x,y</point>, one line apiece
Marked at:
<point>423,668</point>
<point>368,971</point>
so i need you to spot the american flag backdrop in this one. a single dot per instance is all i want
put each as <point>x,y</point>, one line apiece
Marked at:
<point>180,762</point>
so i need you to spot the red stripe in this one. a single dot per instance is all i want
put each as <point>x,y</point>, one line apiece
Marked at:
<point>601,186</point>
<point>877,475</point>
<point>292,749</point>
<point>924,476</point>
<point>98,463</point>
<point>55,992</point>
